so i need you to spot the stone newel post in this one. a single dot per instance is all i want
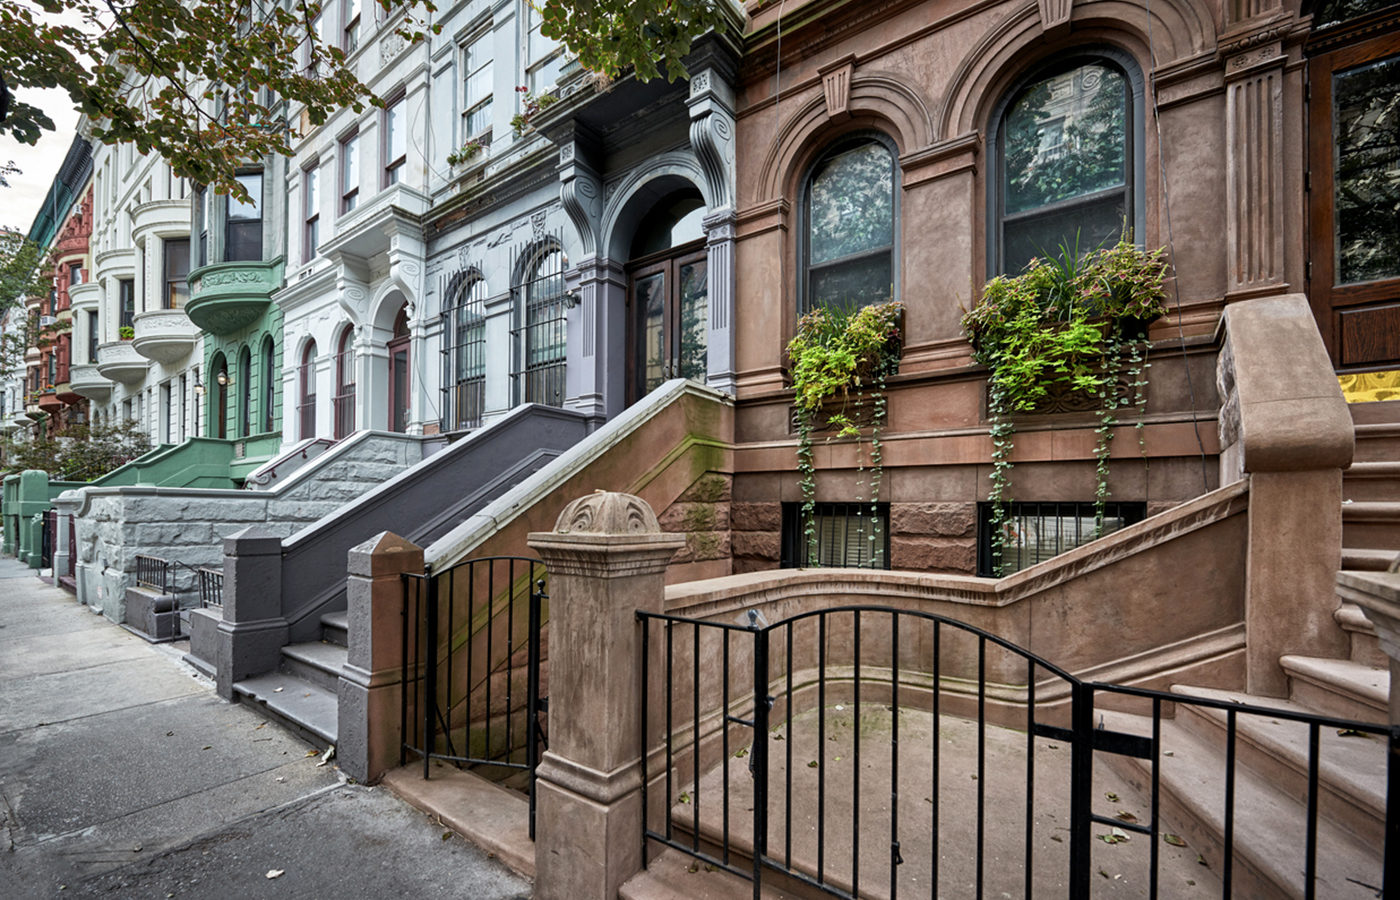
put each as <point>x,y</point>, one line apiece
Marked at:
<point>252,630</point>
<point>369,694</point>
<point>607,559</point>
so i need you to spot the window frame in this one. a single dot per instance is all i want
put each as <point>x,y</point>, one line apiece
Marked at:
<point>533,66</point>
<point>1134,130</point>
<point>794,544</point>
<point>230,221</point>
<point>349,171</point>
<point>393,166</point>
<point>350,25</point>
<point>468,107</point>
<point>171,279</point>
<point>311,211</point>
<point>833,148</point>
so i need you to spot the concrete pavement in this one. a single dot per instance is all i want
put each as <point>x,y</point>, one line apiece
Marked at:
<point>123,775</point>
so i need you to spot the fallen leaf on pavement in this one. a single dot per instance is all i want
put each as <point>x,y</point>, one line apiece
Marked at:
<point>275,873</point>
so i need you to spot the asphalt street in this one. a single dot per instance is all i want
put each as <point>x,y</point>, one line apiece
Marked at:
<point>123,775</point>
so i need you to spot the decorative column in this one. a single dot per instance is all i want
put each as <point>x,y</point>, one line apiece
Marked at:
<point>595,376</point>
<point>368,695</point>
<point>1254,187</point>
<point>65,506</point>
<point>252,631</point>
<point>607,559</point>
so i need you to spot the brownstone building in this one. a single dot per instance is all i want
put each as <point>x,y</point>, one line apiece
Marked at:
<point>914,149</point>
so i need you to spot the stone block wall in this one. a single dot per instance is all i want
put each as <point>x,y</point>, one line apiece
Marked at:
<point>934,537</point>
<point>757,535</point>
<point>703,514</point>
<point>189,525</point>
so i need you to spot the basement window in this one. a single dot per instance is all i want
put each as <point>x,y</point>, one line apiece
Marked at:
<point>848,534</point>
<point>1039,531</point>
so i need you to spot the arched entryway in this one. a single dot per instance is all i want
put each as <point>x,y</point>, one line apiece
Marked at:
<point>400,380</point>
<point>306,391</point>
<point>667,294</point>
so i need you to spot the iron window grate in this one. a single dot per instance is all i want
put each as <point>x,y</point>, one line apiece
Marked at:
<point>1040,531</point>
<point>853,535</point>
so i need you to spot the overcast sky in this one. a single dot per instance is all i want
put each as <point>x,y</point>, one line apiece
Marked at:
<point>38,164</point>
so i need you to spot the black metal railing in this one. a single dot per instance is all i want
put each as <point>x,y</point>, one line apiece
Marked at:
<point>905,753</point>
<point>211,588</point>
<point>153,572</point>
<point>472,651</point>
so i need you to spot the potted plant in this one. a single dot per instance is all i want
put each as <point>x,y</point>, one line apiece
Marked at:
<point>126,333</point>
<point>1073,324</point>
<point>466,153</point>
<point>839,361</point>
<point>530,106</point>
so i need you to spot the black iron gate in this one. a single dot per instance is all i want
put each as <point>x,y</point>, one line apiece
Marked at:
<point>47,538</point>
<point>798,697</point>
<point>472,649</point>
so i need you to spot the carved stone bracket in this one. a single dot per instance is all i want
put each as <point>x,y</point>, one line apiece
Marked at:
<point>836,87</point>
<point>580,189</point>
<point>1054,14</point>
<point>712,136</point>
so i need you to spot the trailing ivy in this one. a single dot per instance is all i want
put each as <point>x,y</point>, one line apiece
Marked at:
<point>1072,324</point>
<point>840,358</point>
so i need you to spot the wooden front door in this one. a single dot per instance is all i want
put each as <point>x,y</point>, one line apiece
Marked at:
<point>668,320</point>
<point>1354,199</point>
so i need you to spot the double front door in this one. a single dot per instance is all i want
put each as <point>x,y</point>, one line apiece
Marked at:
<point>668,305</point>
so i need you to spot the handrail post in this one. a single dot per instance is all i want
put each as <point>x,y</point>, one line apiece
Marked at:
<point>430,653</point>
<point>762,703</point>
<point>1081,789</point>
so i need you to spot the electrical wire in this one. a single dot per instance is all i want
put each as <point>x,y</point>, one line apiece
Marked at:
<point>1171,242</point>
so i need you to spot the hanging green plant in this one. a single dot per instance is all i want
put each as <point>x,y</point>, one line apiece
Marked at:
<point>1071,325</point>
<point>840,359</point>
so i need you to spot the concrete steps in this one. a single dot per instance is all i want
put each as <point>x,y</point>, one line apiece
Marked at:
<point>1269,826</point>
<point>1367,482</point>
<point>1351,768</point>
<point>1360,559</point>
<point>1339,687</point>
<point>1377,441</point>
<point>1371,525</point>
<point>1365,646</point>
<point>302,694</point>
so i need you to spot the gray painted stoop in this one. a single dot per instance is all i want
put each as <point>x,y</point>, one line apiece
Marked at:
<point>301,694</point>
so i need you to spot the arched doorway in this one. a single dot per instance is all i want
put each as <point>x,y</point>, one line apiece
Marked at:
<point>399,379</point>
<point>668,295</point>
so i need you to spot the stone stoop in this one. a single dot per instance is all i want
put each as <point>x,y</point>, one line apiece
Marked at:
<point>1365,646</point>
<point>673,875</point>
<point>1339,687</point>
<point>151,615</point>
<point>1376,441</point>
<point>302,693</point>
<point>1373,525</point>
<point>1269,821</point>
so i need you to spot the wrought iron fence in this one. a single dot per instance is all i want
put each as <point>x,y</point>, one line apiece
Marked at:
<point>472,649</point>
<point>540,333</point>
<point>153,572</point>
<point>886,752</point>
<point>211,588</point>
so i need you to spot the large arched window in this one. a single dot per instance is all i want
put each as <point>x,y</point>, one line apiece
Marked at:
<point>464,352</point>
<point>850,207</point>
<point>306,380</point>
<point>245,392</point>
<point>345,384</point>
<point>1068,172</point>
<point>543,326</point>
<point>269,377</point>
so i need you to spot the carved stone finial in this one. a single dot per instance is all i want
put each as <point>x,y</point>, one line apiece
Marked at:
<point>607,512</point>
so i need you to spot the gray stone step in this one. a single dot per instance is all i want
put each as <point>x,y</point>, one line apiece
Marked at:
<point>1269,827</point>
<point>1361,559</point>
<point>335,628</point>
<point>303,707</point>
<point>317,662</point>
<point>1372,481</point>
<point>1365,647</point>
<point>1377,442</point>
<point>1351,768</point>
<point>1373,525</point>
<point>1339,687</point>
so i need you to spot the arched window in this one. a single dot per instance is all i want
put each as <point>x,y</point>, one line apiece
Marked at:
<point>306,387</point>
<point>245,392</point>
<point>849,207</point>
<point>1068,160</point>
<point>543,326</point>
<point>400,398</point>
<point>464,352</point>
<point>345,384</point>
<point>218,400</point>
<point>269,377</point>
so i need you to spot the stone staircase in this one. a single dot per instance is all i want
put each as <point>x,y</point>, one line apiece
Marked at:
<point>301,694</point>
<point>1272,754</point>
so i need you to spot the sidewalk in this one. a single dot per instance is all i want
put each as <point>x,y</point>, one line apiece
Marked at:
<point>123,775</point>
